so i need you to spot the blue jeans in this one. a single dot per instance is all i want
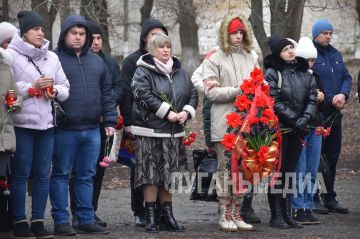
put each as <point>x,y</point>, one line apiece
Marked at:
<point>306,171</point>
<point>34,150</point>
<point>75,151</point>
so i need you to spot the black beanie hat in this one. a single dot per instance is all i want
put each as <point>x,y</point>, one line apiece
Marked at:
<point>29,20</point>
<point>277,44</point>
<point>94,27</point>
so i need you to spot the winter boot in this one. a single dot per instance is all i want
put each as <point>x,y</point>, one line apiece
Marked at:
<point>226,222</point>
<point>151,217</point>
<point>276,220</point>
<point>37,227</point>
<point>167,218</point>
<point>285,204</point>
<point>235,213</point>
<point>21,230</point>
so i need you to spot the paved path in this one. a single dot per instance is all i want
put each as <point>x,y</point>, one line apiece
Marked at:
<point>200,218</point>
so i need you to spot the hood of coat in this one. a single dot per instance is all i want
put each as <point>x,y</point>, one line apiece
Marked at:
<point>24,48</point>
<point>224,35</point>
<point>147,61</point>
<point>147,26</point>
<point>69,23</point>
<point>278,64</point>
<point>5,57</point>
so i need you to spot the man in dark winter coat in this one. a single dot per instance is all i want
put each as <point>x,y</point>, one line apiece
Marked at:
<point>113,70</point>
<point>149,28</point>
<point>77,141</point>
<point>337,84</point>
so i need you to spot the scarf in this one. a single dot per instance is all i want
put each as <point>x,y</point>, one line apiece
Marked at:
<point>164,68</point>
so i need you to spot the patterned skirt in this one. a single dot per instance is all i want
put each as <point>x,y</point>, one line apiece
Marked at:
<point>157,160</point>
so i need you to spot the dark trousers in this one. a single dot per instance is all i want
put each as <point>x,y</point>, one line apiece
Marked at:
<point>97,179</point>
<point>331,149</point>
<point>291,150</point>
<point>137,197</point>
<point>5,207</point>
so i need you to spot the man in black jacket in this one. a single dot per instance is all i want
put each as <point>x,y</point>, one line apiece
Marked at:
<point>77,141</point>
<point>113,70</point>
<point>149,28</point>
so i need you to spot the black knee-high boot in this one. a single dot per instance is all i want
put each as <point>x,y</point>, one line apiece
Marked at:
<point>277,220</point>
<point>151,219</point>
<point>285,204</point>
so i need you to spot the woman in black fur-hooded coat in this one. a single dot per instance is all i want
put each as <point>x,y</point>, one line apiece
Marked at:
<point>294,91</point>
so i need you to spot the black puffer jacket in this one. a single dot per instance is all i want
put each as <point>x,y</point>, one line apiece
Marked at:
<point>296,99</point>
<point>149,110</point>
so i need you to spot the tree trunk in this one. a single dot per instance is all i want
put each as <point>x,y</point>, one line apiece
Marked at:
<point>188,35</point>
<point>256,20</point>
<point>358,9</point>
<point>146,10</point>
<point>64,9</point>
<point>277,11</point>
<point>126,20</point>
<point>293,19</point>
<point>5,11</point>
<point>48,15</point>
<point>96,10</point>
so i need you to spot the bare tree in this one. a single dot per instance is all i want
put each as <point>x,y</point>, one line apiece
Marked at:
<point>146,9</point>
<point>286,20</point>
<point>188,35</point>
<point>48,10</point>
<point>5,11</point>
<point>358,9</point>
<point>64,9</point>
<point>97,11</point>
<point>256,20</point>
<point>293,19</point>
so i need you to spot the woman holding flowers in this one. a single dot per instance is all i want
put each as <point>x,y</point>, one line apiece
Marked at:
<point>224,71</point>
<point>294,91</point>
<point>40,78</point>
<point>164,99</point>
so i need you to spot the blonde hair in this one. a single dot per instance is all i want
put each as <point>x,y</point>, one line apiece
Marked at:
<point>158,40</point>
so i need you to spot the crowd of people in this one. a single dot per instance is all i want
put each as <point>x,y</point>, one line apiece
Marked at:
<point>308,81</point>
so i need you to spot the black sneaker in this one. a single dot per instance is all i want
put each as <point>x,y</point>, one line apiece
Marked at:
<point>100,222</point>
<point>21,230</point>
<point>334,206</point>
<point>313,219</point>
<point>37,227</point>
<point>64,229</point>
<point>301,216</point>
<point>92,228</point>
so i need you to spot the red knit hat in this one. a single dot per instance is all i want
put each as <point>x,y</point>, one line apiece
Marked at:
<point>236,25</point>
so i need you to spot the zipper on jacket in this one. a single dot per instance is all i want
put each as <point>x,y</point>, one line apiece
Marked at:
<point>83,78</point>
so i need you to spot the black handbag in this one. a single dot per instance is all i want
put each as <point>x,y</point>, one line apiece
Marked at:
<point>59,115</point>
<point>206,166</point>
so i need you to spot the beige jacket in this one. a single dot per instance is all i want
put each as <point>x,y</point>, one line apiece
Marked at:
<point>228,67</point>
<point>7,137</point>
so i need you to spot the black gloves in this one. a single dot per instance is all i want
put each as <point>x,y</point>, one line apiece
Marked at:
<point>301,128</point>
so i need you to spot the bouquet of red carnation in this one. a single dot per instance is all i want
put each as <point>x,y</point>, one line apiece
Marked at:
<point>254,136</point>
<point>120,123</point>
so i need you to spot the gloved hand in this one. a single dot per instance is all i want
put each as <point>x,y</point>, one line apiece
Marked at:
<point>301,127</point>
<point>301,123</point>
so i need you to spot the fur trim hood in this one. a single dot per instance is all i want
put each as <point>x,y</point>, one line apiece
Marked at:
<point>278,64</point>
<point>224,36</point>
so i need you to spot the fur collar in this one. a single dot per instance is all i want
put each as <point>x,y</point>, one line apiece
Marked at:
<point>277,63</point>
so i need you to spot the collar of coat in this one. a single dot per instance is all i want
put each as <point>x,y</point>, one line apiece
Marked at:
<point>278,64</point>
<point>147,61</point>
